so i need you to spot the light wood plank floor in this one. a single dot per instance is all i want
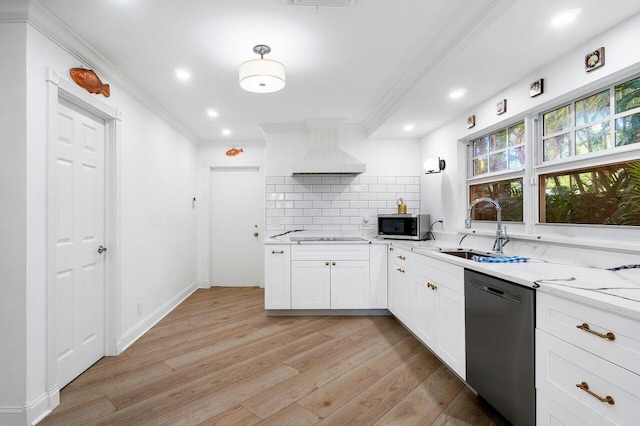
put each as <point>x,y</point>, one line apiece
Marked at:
<point>217,360</point>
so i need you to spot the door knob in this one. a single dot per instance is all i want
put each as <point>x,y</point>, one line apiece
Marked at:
<point>102,249</point>
<point>255,234</point>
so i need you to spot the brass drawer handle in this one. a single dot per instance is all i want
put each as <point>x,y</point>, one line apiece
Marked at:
<point>277,251</point>
<point>401,257</point>
<point>333,263</point>
<point>585,387</point>
<point>390,248</point>
<point>326,263</point>
<point>432,286</point>
<point>586,328</point>
<point>401,270</point>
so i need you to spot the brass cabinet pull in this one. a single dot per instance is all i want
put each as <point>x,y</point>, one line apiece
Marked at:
<point>326,263</point>
<point>333,263</point>
<point>277,251</point>
<point>585,387</point>
<point>390,248</point>
<point>585,327</point>
<point>401,270</point>
<point>401,257</point>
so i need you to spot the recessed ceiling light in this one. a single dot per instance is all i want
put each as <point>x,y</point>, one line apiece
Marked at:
<point>457,94</point>
<point>409,127</point>
<point>564,18</point>
<point>212,112</point>
<point>182,74</point>
<point>226,132</point>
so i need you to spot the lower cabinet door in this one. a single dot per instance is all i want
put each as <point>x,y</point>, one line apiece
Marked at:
<point>277,277</point>
<point>405,297</point>
<point>310,284</point>
<point>425,317</point>
<point>350,287</point>
<point>450,330</point>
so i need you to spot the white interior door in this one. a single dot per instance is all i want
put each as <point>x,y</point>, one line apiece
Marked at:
<point>79,233</point>
<point>235,227</point>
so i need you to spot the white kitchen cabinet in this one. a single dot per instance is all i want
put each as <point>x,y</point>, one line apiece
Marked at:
<point>378,276</point>
<point>335,276</point>
<point>391,280</point>
<point>350,287</point>
<point>277,277</point>
<point>427,296</point>
<point>439,315</point>
<point>587,363</point>
<point>310,284</point>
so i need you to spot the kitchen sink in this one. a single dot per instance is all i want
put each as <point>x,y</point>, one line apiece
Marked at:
<point>469,253</point>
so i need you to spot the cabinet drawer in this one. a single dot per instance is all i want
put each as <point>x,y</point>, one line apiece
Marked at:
<point>561,317</point>
<point>560,366</point>
<point>402,258</point>
<point>330,252</point>
<point>442,273</point>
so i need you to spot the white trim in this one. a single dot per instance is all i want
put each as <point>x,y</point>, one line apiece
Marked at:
<point>138,330</point>
<point>58,87</point>
<point>32,413</point>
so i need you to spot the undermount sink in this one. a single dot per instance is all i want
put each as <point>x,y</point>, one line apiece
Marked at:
<point>469,253</point>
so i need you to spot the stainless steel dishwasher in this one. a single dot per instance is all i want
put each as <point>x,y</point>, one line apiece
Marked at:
<point>499,325</point>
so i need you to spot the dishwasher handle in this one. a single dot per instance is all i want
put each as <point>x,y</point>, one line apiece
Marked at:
<point>497,292</point>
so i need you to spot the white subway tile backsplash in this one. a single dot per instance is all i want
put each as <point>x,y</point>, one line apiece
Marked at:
<point>368,196</point>
<point>330,180</point>
<point>303,204</point>
<point>339,204</point>
<point>274,180</point>
<point>294,212</point>
<point>396,188</point>
<point>294,196</point>
<point>359,204</point>
<point>336,202</point>
<point>322,204</point>
<point>407,180</point>
<point>311,180</point>
<point>368,179</point>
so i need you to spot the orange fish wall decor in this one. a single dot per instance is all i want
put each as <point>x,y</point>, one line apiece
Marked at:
<point>233,152</point>
<point>90,81</point>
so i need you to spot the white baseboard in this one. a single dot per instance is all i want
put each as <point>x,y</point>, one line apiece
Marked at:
<point>137,331</point>
<point>32,413</point>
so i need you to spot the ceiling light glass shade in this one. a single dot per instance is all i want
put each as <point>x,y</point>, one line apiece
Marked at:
<point>262,76</point>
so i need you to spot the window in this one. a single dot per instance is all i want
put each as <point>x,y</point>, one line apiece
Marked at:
<point>587,124</point>
<point>605,195</point>
<point>498,161</point>
<point>598,191</point>
<point>499,151</point>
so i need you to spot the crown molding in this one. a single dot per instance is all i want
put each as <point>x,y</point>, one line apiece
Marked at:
<point>466,19</point>
<point>44,21</point>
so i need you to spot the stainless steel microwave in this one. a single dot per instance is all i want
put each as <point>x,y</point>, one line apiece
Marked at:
<point>403,226</point>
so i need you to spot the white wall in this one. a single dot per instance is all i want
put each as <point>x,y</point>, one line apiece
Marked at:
<point>564,79</point>
<point>157,167</point>
<point>13,213</point>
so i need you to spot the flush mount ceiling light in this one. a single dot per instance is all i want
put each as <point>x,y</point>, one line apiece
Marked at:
<point>457,94</point>
<point>262,75</point>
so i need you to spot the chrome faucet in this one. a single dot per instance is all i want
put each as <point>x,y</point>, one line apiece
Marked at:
<point>501,237</point>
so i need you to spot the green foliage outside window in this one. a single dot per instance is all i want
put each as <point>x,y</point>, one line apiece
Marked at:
<point>605,195</point>
<point>508,193</point>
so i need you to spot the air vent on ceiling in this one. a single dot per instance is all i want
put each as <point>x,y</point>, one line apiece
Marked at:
<point>321,3</point>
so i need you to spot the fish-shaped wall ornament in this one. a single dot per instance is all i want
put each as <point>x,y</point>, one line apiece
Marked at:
<point>233,152</point>
<point>90,81</point>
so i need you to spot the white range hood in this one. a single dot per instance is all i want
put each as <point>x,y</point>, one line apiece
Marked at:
<point>325,157</point>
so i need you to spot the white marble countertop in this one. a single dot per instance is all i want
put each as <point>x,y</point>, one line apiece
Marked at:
<point>616,291</point>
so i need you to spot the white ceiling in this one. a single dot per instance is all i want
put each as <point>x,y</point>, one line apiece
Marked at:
<point>381,64</point>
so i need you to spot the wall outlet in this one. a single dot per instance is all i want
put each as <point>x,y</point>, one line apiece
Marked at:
<point>139,307</point>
